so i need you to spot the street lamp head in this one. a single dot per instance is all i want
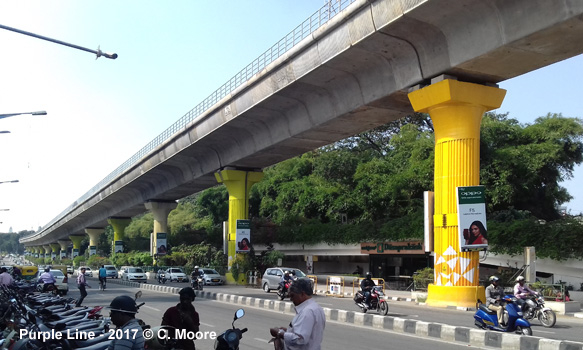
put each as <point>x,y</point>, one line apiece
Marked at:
<point>39,113</point>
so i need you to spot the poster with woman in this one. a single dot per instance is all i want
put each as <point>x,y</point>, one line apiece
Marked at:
<point>161,245</point>
<point>243,236</point>
<point>471,205</point>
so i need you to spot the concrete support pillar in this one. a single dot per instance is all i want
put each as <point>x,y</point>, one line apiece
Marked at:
<point>456,109</point>
<point>238,184</point>
<point>35,251</point>
<point>64,245</point>
<point>48,251</point>
<point>160,210</point>
<point>93,233</point>
<point>55,247</point>
<point>119,225</point>
<point>76,245</point>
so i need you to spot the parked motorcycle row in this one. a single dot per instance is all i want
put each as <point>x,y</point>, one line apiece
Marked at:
<point>44,321</point>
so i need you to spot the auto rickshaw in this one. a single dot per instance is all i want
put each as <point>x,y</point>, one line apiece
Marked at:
<point>29,273</point>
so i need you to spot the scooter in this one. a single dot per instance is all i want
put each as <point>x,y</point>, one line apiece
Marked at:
<point>229,340</point>
<point>485,318</point>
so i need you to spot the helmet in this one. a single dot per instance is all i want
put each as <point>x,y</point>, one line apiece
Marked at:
<point>493,279</point>
<point>187,291</point>
<point>519,278</point>
<point>286,272</point>
<point>123,303</point>
<point>368,275</point>
<point>196,267</point>
<point>47,269</point>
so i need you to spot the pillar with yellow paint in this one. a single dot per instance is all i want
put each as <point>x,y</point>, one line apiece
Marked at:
<point>119,225</point>
<point>238,184</point>
<point>456,109</point>
<point>76,245</point>
<point>64,244</point>
<point>160,211</point>
<point>55,248</point>
<point>93,234</point>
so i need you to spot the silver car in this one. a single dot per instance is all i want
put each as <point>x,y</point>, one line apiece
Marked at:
<point>272,276</point>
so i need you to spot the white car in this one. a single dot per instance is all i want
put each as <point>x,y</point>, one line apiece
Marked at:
<point>212,277</point>
<point>61,282</point>
<point>88,272</point>
<point>136,274</point>
<point>176,274</point>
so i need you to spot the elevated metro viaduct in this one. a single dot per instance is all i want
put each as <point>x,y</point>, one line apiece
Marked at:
<point>354,72</point>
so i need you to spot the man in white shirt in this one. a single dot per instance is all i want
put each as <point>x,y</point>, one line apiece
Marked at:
<point>306,330</point>
<point>5,278</point>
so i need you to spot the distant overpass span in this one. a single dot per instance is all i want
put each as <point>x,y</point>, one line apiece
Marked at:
<point>344,70</point>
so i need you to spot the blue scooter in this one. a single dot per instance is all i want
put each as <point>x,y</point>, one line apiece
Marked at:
<point>485,318</point>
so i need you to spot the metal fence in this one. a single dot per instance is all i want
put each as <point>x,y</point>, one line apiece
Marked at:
<point>306,28</point>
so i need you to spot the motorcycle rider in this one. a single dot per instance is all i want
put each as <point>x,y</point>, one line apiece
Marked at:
<point>522,292</point>
<point>123,316</point>
<point>47,278</point>
<point>194,275</point>
<point>366,286</point>
<point>285,279</point>
<point>494,294</point>
<point>161,274</point>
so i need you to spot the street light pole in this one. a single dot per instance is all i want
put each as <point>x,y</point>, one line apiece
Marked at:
<point>99,53</point>
<point>2,116</point>
<point>7,182</point>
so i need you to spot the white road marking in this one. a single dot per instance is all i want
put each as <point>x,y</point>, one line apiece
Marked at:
<point>206,324</point>
<point>262,340</point>
<point>152,308</point>
<point>539,331</point>
<point>325,304</point>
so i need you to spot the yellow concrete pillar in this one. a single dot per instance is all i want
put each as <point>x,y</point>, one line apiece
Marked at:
<point>55,247</point>
<point>93,234</point>
<point>160,210</point>
<point>238,184</point>
<point>76,245</point>
<point>456,109</point>
<point>119,225</point>
<point>64,245</point>
<point>48,250</point>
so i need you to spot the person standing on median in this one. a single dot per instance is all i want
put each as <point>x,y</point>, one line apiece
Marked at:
<point>306,330</point>
<point>82,284</point>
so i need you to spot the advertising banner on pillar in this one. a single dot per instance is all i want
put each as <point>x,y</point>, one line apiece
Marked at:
<point>118,247</point>
<point>63,254</point>
<point>92,250</point>
<point>75,252</point>
<point>53,255</point>
<point>243,236</point>
<point>36,255</point>
<point>471,209</point>
<point>161,245</point>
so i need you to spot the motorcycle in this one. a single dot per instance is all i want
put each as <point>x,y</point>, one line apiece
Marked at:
<point>535,308</point>
<point>377,301</point>
<point>229,340</point>
<point>197,283</point>
<point>162,278</point>
<point>283,290</point>
<point>487,319</point>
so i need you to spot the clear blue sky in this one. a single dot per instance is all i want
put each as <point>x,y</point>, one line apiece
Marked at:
<point>172,55</point>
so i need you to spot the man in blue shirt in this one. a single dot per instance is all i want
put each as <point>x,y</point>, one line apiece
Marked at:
<point>102,277</point>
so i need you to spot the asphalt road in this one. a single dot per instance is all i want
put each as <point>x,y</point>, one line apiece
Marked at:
<point>567,328</point>
<point>217,316</point>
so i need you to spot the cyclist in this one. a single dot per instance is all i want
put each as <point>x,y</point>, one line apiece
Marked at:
<point>102,277</point>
